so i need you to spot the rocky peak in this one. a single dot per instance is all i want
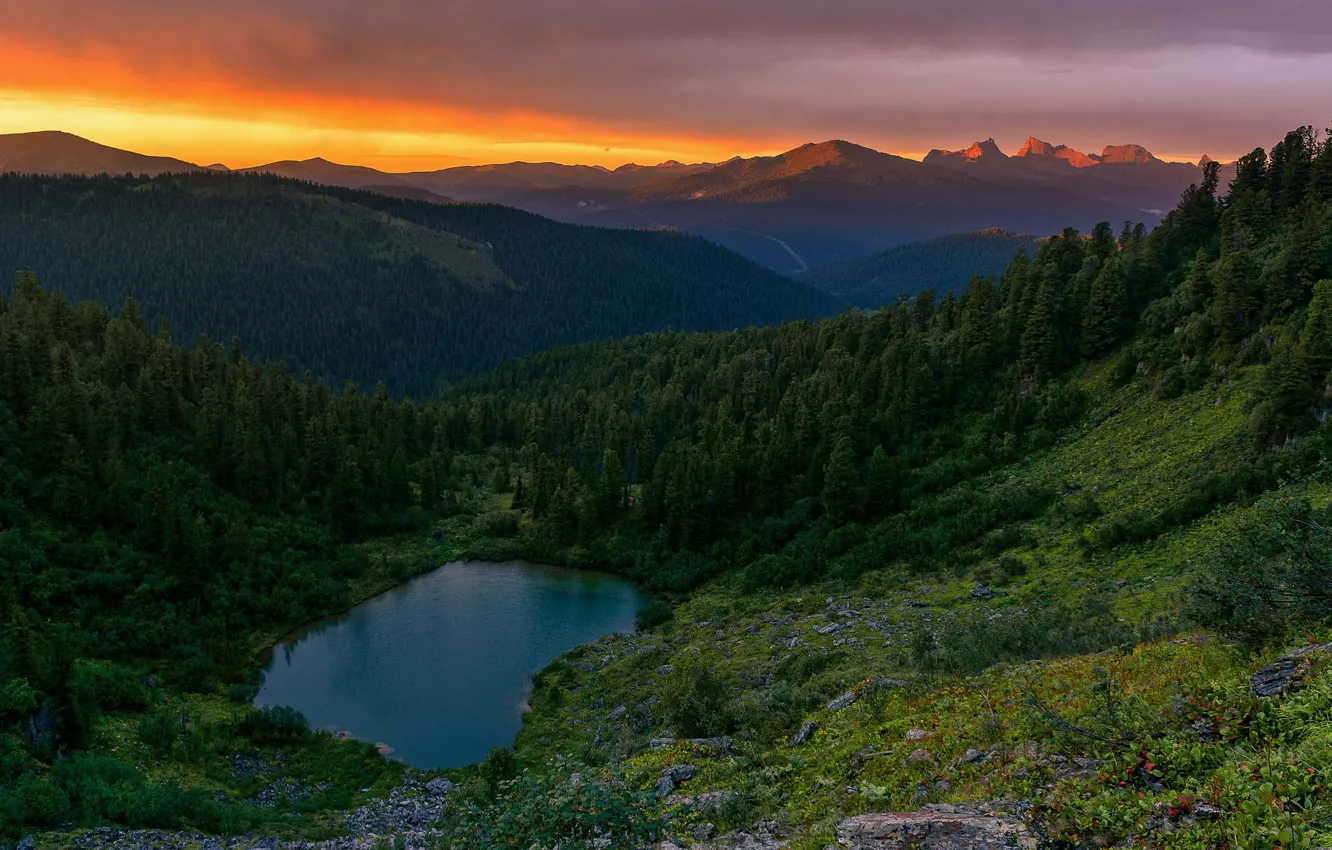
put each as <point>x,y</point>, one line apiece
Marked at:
<point>1035,147</point>
<point>1205,161</point>
<point>1127,153</point>
<point>986,151</point>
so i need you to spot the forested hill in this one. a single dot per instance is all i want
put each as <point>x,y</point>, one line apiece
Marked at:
<point>357,286</point>
<point>850,421</point>
<point>942,264</point>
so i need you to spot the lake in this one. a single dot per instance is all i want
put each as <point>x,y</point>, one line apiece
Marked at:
<point>438,669</point>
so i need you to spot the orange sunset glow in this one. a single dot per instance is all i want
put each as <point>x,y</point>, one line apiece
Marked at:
<point>206,119</point>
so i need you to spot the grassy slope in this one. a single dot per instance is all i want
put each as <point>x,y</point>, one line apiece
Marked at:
<point>1135,452</point>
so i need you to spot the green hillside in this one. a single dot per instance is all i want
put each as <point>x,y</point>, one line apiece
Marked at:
<point>358,286</point>
<point>1020,547</point>
<point>878,279</point>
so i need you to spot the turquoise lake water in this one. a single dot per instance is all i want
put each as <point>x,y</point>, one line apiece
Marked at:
<point>439,668</point>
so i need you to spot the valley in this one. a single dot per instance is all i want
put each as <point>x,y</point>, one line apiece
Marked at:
<point>1043,558</point>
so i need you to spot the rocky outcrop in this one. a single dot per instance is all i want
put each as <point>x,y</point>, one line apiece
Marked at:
<point>708,803</point>
<point>805,733</point>
<point>934,830</point>
<point>1286,673</point>
<point>671,778</point>
<point>1034,147</point>
<point>1127,153</point>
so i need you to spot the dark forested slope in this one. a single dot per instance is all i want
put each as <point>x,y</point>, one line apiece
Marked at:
<point>940,264</point>
<point>358,286</point>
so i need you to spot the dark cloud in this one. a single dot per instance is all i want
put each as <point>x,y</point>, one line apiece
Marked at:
<point>889,71</point>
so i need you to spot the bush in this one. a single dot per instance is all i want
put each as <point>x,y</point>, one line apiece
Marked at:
<point>774,571</point>
<point>275,725</point>
<point>159,730</point>
<point>653,613</point>
<point>500,523</point>
<point>109,686</point>
<point>1011,567</point>
<point>1271,573</point>
<point>555,809</point>
<point>1042,633</point>
<point>1172,384</point>
<point>500,766</point>
<point>695,700</point>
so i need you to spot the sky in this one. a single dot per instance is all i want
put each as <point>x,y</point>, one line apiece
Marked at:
<point>408,85</point>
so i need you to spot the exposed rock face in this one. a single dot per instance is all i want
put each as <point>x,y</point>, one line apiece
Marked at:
<point>1283,675</point>
<point>1034,147</point>
<point>1127,153</point>
<point>934,831</point>
<point>672,776</point>
<point>987,151</point>
<point>807,730</point>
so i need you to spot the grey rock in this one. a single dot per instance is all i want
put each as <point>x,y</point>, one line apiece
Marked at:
<point>710,803</point>
<point>671,778</point>
<point>843,701</point>
<point>618,712</point>
<point>1277,678</point>
<point>934,831</point>
<point>439,787</point>
<point>28,843</point>
<point>918,735</point>
<point>806,732</point>
<point>982,592</point>
<point>921,756</point>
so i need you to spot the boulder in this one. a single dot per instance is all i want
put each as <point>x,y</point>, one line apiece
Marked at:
<point>806,732</point>
<point>921,756</point>
<point>934,831</point>
<point>843,701</point>
<point>672,776</point>
<point>1281,676</point>
<point>915,735</point>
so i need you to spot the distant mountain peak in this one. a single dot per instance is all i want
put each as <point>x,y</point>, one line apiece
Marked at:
<point>1127,153</point>
<point>1205,161</point>
<point>987,148</point>
<point>1035,147</point>
<point>987,151</point>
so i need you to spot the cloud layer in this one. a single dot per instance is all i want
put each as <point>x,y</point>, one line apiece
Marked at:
<point>1179,75</point>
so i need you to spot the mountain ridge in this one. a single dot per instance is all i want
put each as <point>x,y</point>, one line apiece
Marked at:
<point>814,204</point>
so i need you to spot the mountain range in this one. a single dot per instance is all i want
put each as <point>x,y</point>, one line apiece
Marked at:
<point>810,206</point>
